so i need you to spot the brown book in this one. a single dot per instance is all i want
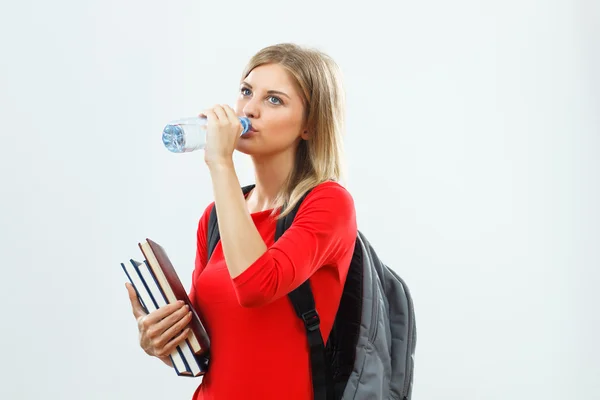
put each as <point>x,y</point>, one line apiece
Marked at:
<point>173,290</point>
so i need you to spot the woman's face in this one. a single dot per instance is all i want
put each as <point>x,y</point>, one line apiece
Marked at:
<point>272,101</point>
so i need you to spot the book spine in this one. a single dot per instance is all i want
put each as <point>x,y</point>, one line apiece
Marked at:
<point>141,289</point>
<point>197,330</point>
<point>135,287</point>
<point>155,290</point>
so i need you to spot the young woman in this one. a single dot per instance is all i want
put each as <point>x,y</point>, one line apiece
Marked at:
<point>294,100</point>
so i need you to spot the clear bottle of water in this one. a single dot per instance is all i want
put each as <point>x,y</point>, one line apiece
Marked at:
<point>189,134</point>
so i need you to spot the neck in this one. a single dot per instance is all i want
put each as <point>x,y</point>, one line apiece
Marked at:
<point>270,175</point>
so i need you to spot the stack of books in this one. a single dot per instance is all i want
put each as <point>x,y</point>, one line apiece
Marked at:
<point>157,285</point>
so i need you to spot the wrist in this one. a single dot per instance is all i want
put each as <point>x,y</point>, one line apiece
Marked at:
<point>220,164</point>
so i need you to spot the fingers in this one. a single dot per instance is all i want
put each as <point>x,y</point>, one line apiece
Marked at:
<point>210,115</point>
<point>172,319</point>
<point>216,114</point>
<point>136,307</point>
<point>220,112</point>
<point>161,335</point>
<point>158,327</point>
<point>231,115</point>
<point>163,312</point>
<point>157,322</point>
<point>176,328</point>
<point>170,346</point>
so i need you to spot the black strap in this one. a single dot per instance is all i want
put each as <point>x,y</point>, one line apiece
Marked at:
<point>213,232</point>
<point>303,302</point>
<point>213,226</point>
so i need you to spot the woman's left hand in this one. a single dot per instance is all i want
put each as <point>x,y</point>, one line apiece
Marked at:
<point>223,132</point>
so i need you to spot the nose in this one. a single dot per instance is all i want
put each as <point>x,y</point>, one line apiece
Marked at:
<point>251,109</point>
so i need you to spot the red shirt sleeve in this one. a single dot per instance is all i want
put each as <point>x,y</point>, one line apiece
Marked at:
<point>324,228</point>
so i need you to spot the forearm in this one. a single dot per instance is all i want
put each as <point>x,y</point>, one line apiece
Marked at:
<point>241,241</point>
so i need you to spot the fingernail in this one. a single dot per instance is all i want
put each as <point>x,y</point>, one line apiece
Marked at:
<point>181,302</point>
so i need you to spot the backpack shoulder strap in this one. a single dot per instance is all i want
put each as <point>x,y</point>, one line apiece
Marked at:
<point>303,301</point>
<point>212,234</point>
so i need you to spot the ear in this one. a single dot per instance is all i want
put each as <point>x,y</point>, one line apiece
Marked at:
<point>305,135</point>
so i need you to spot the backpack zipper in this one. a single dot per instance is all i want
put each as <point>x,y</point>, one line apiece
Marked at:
<point>375,311</point>
<point>410,339</point>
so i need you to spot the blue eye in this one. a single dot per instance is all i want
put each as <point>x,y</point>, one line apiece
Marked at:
<point>277,100</point>
<point>245,91</point>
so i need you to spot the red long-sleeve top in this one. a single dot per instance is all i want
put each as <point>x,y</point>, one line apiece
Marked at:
<point>259,348</point>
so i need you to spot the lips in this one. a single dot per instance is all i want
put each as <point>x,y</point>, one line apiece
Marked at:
<point>249,133</point>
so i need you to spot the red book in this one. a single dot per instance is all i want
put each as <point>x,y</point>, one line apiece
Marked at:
<point>173,289</point>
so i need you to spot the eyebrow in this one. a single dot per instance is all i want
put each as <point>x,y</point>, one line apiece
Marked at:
<point>269,91</point>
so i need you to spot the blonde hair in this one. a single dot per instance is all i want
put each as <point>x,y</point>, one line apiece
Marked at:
<point>320,158</point>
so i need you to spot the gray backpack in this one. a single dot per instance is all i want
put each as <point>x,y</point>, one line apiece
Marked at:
<point>370,351</point>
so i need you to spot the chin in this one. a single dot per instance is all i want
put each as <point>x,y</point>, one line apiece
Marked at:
<point>252,145</point>
<point>246,146</point>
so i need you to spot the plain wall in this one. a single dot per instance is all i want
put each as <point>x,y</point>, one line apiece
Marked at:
<point>473,141</point>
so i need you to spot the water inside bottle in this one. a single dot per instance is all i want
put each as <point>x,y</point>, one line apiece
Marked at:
<point>184,135</point>
<point>189,134</point>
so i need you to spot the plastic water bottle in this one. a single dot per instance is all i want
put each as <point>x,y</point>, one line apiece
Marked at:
<point>189,134</point>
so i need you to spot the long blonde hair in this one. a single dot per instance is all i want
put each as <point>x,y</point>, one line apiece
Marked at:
<point>320,158</point>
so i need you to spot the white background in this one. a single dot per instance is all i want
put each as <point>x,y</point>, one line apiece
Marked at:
<point>473,143</point>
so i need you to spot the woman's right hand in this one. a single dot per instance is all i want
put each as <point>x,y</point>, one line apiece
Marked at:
<point>163,329</point>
